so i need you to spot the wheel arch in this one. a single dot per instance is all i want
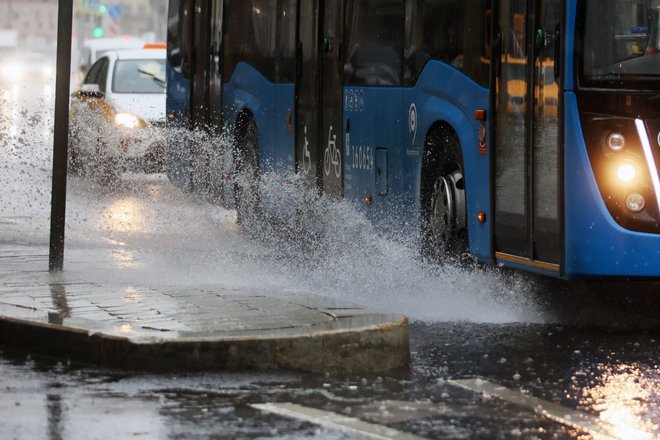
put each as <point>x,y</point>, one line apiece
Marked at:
<point>452,103</point>
<point>443,114</point>
<point>442,156</point>
<point>243,118</point>
<point>431,151</point>
<point>432,154</point>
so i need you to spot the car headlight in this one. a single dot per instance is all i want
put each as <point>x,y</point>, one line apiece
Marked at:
<point>128,120</point>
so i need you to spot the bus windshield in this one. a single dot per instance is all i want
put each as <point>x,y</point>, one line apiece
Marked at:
<point>621,43</point>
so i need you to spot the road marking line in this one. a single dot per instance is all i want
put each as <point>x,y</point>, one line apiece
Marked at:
<point>588,423</point>
<point>332,420</point>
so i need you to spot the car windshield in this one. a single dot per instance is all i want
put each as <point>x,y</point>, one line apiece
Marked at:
<point>621,42</point>
<point>139,76</point>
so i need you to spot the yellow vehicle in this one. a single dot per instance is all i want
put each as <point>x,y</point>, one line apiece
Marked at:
<point>516,87</point>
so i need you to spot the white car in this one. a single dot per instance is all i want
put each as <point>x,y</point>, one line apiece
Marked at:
<point>118,114</point>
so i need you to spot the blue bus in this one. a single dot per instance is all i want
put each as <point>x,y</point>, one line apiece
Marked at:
<point>525,132</point>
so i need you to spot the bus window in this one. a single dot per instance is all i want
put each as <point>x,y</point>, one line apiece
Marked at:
<point>239,44</point>
<point>179,30</point>
<point>251,37</point>
<point>264,26</point>
<point>374,42</point>
<point>286,42</point>
<point>452,31</point>
<point>620,42</point>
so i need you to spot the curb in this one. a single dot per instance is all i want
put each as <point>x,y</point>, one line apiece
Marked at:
<point>380,343</point>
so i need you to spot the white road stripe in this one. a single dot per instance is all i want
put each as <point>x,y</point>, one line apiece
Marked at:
<point>332,420</point>
<point>558,413</point>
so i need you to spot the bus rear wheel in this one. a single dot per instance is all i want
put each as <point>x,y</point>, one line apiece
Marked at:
<point>444,208</point>
<point>247,173</point>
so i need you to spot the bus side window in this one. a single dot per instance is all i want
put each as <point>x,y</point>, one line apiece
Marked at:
<point>452,31</point>
<point>179,30</point>
<point>264,27</point>
<point>374,42</point>
<point>250,36</point>
<point>286,42</point>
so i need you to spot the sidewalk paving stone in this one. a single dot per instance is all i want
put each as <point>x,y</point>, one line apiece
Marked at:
<point>202,328</point>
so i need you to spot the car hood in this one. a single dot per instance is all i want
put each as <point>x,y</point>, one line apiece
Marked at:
<point>150,107</point>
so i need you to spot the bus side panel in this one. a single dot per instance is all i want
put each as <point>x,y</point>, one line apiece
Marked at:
<point>250,90</point>
<point>272,106</point>
<point>283,125</point>
<point>373,155</point>
<point>178,160</point>
<point>443,93</point>
<point>279,156</point>
<point>595,244</point>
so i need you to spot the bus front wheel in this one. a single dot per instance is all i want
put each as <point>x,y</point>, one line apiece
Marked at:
<point>246,161</point>
<point>444,208</point>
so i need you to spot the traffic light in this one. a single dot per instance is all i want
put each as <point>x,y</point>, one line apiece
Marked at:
<point>99,29</point>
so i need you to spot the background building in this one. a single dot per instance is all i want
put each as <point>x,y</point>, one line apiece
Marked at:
<point>114,18</point>
<point>36,20</point>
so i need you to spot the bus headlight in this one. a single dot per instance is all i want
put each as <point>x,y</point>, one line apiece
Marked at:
<point>626,173</point>
<point>623,160</point>
<point>127,120</point>
<point>616,142</point>
<point>635,203</point>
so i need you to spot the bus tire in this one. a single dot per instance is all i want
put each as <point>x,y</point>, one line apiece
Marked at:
<point>246,160</point>
<point>443,200</point>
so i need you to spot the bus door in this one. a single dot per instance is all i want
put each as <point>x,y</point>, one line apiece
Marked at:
<point>214,78</point>
<point>525,99</point>
<point>206,93</point>
<point>308,93</point>
<point>199,92</point>
<point>200,64</point>
<point>319,94</point>
<point>207,65</point>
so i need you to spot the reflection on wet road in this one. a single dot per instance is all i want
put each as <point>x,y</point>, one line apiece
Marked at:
<point>610,378</point>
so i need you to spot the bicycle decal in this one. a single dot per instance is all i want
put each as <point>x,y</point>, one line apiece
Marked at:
<point>332,156</point>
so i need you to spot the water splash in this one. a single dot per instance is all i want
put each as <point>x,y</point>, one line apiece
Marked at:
<point>331,248</point>
<point>142,229</point>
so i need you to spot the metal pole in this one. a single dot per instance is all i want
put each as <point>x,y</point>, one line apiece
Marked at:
<point>61,137</point>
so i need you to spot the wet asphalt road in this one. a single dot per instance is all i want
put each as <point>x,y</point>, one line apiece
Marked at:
<point>613,373</point>
<point>588,347</point>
